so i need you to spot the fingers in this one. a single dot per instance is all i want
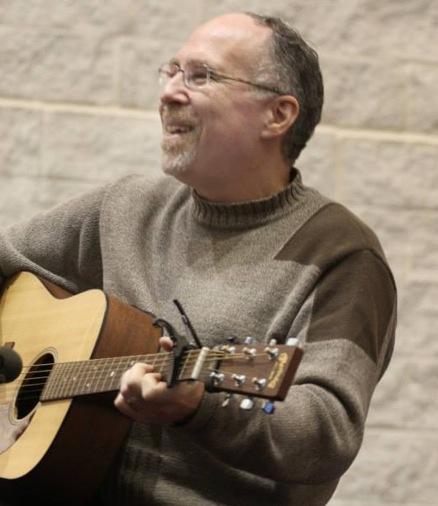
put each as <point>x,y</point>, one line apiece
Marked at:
<point>131,386</point>
<point>141,381</point>
<point>140,390</point>
<point>145,397</point>
<point>166,343</point>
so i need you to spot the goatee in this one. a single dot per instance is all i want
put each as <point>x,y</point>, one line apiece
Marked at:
<point>180,139</point>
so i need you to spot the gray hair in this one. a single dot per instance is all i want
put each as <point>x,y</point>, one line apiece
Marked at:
<point>295,67</point>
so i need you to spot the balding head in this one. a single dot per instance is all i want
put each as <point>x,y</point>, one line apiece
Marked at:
<point>241,39</point>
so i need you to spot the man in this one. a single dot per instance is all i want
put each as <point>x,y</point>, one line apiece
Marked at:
<point>249,250</point>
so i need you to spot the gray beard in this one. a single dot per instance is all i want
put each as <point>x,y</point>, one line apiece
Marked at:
<point>176,162</point>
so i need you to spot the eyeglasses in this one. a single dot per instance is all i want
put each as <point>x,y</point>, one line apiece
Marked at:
<point>198,75</point>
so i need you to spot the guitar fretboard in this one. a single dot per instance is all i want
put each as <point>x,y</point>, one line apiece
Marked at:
<point>70,379</point>
<point>257,372</point>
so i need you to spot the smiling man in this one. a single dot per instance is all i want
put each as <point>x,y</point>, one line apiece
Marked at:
<point>222,130</point>
<point>237,237</point>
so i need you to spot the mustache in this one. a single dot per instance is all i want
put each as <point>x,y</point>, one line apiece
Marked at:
<point>177,114</point>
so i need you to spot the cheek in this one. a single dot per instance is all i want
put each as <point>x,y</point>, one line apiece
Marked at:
<point>229,125</point>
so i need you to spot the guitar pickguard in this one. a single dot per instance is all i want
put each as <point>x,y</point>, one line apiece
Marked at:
<point>10,430</point>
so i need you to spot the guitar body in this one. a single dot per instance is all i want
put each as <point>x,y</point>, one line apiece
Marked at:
<point>67,445</point>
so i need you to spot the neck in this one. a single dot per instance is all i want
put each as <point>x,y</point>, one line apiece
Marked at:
<point>240,192</point>
<point>256,182</point>
<point>248,214</point>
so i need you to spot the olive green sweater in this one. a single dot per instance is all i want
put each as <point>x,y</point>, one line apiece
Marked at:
<point>295,264</point>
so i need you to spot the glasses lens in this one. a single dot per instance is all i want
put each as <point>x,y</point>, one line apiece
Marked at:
<point>166,72</point>
<point>196,75</point>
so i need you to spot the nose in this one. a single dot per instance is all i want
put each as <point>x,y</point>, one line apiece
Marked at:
<point>174,90</point>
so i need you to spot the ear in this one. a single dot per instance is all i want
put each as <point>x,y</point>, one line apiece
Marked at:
<point>281,115</point>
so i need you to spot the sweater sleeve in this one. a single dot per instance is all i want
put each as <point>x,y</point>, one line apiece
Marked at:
<point>348,323</point>
<point>61,245</point>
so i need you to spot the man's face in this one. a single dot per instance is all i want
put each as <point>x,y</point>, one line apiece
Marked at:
<point>211,131</point>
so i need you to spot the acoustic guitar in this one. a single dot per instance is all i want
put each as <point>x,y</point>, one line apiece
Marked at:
<point>59,430</point>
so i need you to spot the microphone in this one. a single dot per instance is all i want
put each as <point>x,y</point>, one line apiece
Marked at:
<point>10,364</point>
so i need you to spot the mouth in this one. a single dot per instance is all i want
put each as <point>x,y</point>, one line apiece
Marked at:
<point>176,133</point>
<point>171,129</point>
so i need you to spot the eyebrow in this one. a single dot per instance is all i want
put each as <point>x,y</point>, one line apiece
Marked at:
<point>195,61</point>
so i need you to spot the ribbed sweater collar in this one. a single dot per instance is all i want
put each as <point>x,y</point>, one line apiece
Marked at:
<point>250,213</point>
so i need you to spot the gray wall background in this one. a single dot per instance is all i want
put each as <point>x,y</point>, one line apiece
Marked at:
<point>78,102</point>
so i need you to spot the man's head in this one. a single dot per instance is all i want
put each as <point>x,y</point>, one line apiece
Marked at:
<point>230,98</point>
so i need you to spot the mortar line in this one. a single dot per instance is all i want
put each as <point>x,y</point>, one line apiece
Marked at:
<point>122,112</point>
<point>78,108</point>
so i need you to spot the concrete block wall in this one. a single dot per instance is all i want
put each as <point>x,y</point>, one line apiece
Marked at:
<point>78,101</point>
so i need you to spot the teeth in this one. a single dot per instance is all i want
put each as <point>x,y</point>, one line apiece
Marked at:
<point>178,129</point>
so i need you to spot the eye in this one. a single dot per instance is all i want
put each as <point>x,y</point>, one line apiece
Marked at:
<point>197,75</point>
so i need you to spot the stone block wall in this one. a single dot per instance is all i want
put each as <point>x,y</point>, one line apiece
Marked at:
<point>78,102</point>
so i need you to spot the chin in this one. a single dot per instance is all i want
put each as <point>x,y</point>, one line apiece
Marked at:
<point>177,165</point>
<point>172,169</point>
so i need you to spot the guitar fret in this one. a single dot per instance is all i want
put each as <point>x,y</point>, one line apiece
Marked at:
<point>63,370</point>
<point>89,377</point>
<point>110,376</point>
<point>70,379</point>
<point>53,386</point>
<point>96,376</point>
<point>165,367</point>
<point>80,377</point>
<point>153,361</point>
<point>182,370</point>
<point>120,366</point>
<point>49,386</point>
<point>99,375</point>
<point>63,379</point>
<point>92,377</point>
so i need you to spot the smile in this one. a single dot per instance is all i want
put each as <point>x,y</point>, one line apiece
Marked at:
<point>178,129</point>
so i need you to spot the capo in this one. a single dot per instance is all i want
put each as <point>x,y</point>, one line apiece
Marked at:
<point>180,343</point>
<point>187,323</point>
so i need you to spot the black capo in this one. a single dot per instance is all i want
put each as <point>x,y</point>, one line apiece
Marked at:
<point>180,343</point>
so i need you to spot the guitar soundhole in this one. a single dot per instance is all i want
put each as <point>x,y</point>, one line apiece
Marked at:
<point>33,385</point>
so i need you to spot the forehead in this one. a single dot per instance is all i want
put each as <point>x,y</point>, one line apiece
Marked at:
<point>230,41</point>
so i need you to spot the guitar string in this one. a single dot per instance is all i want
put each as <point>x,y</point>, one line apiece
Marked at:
<point>41,371</point>
<point>151,356</point>
<point>189,359</point>
<point>99,366</point>
<point>31,387</point>
<point>66,395</point>
<point>36,396</point>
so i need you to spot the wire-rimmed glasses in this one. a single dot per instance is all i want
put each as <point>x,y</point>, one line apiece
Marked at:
<point>197,75</point>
